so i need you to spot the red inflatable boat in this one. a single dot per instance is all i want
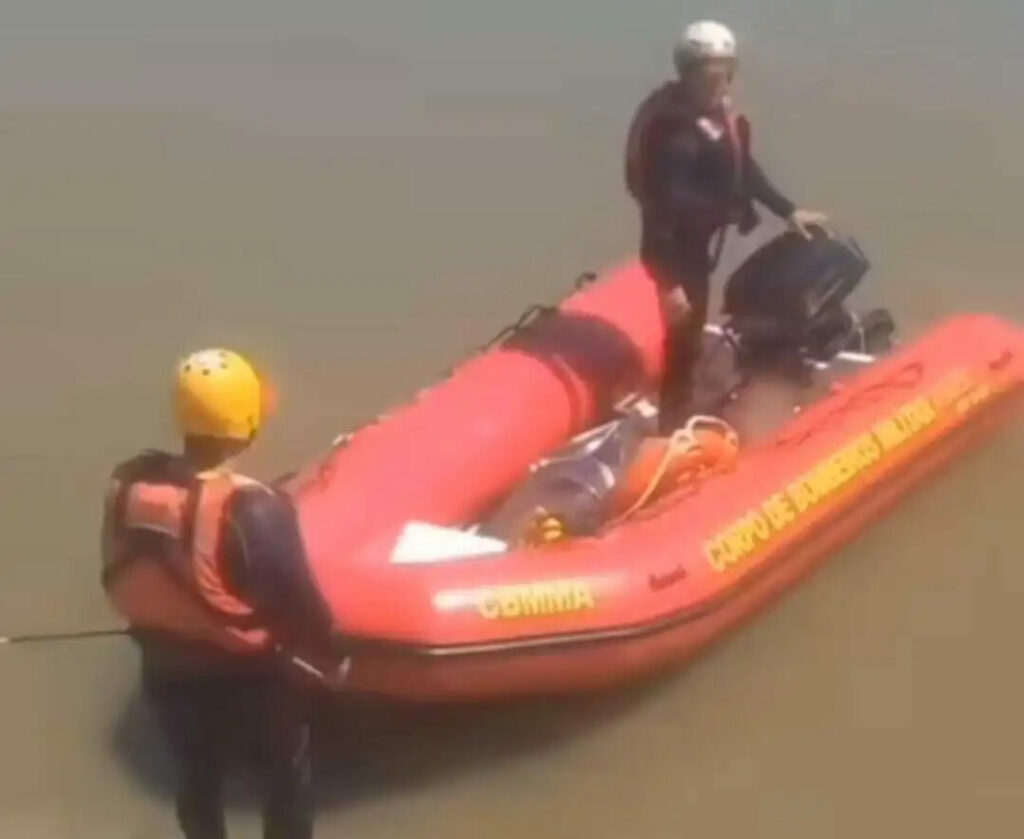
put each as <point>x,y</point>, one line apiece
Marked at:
<point>436,610</point>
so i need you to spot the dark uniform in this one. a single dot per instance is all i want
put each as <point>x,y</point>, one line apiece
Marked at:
<point>692,177</point>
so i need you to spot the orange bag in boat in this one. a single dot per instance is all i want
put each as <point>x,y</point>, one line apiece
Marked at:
<point>662,465</point>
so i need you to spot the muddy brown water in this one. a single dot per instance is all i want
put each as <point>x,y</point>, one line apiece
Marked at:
<point>356,193</point>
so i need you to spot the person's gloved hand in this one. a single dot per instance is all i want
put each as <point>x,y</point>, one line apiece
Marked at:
<point>801,221</point>
<point>336,676</point>
<point>326,672</point>
<point>676,304</point>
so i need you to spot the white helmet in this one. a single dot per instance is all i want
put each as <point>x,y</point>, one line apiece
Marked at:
<point>702,40</point>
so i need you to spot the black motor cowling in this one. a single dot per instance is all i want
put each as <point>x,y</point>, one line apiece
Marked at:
<point>789,297</point>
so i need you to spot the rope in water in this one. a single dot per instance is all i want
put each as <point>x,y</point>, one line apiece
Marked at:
<point>43,637</point>
<point>336,677</point>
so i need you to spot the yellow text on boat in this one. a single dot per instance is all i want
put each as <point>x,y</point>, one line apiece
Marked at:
<point>742,539</point>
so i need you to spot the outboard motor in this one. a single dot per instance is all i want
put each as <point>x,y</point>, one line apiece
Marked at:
<point>787,301</point>
<point>786,313</point>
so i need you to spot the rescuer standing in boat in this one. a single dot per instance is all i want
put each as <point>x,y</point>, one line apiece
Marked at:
<point>690,169</point>
<point>208,568</point>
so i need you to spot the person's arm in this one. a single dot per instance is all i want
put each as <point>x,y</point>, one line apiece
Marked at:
<point>766,193</point>
<point>268,562</point>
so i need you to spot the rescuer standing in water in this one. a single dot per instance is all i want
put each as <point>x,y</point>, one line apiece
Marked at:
<point>208,568</point>
<point>690,169</point>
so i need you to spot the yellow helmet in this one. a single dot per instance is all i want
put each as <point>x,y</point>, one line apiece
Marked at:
<point>218,394</point>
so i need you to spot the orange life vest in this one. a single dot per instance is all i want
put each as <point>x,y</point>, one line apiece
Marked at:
<point>178,583</point>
